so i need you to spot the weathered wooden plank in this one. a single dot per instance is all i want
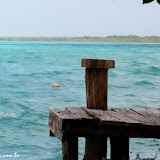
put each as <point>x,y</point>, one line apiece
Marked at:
<point>111,118</point>
<point>57,121</point>
<point>103,116</point>
<point>119,148</point>
<point>54,119</point>
<point>122,117</point>
<point>98,63</point>
<point>78,112</point>
<point>153,114</point>
<point>64,121</point>
<point>134,115</point>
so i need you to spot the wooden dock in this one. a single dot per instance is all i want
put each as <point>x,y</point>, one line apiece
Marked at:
<point>116,124</point>
<point>80,121</point>
<point>96,123</point>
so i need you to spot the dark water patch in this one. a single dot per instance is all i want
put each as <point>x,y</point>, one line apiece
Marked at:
<point>152,70</point>
<point>139,71</point>
<point>122,86</point>
<point>12,61</point>
<point>142,83</point>
<point>26,107</point>
<point>130,95</point>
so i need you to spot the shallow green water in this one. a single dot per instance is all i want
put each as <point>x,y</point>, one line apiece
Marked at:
<point>27,69</point>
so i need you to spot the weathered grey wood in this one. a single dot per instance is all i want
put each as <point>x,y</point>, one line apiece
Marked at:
<point>153,114</point>
<point>103,116</point>
<point>70,147</point>
<point>119,148</point>
<point>98,63</point>
<point>111,117</point>
<point>78,112</point>
<point>62,122</point>
<point>58,121</point>
<point>134,115</point>
<point>122,117</point>
<point>56,116</point>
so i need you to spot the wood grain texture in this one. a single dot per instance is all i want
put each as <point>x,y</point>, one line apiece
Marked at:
<point>122,117</point>
<point>102,116</point>
<point>111,117</point>
<point>98,63</point>
<point>153,114</point>
<point>78,112</point>
<point>96,77</point>
<point>136,116</point>
<point>102,123</point>
<point>96,88</point>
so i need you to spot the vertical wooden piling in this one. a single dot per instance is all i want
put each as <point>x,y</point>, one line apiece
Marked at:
<point>119,148</point>
<point>96,76</point>
<point>70,147</point>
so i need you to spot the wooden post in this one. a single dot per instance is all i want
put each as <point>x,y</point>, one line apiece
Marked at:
<point>119,148</point>
<point>70,147</point>
<point>96,76</point>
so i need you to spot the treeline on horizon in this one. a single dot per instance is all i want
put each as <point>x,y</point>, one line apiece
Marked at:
<point>130,38</point>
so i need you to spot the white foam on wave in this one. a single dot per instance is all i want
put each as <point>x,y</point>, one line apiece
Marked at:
<point>8,115</point>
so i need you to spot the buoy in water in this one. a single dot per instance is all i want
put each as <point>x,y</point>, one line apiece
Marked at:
<point>55,85</point>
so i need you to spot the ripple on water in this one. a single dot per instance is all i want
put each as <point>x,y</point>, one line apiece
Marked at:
<point>29,68</point>
<point>142,83</point>
<point>152,70</point>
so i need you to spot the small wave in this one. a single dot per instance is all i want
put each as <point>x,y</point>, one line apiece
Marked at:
<point>154,70</point>
<point>143,83</point>
<point>130,95</point>
<point>12,61</point>
<point>8,115</point>
<point>138,71</point>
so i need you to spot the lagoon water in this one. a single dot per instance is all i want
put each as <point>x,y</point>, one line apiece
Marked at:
<point>27,69</point>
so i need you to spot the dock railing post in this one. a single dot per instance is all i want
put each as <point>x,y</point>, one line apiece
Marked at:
<point>96,77</point>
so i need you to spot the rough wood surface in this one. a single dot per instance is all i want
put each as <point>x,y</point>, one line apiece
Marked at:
<point>96,77</point>
<point>89,123</point>
<point>98,63</point>
<point>103,116</point>
<point>122,117</point>
<point>135,116</point>
<point>111,117</point>
<point>103,123</point>
<point>153,114</point>
<point>78,112</point>
<point>96,88</point>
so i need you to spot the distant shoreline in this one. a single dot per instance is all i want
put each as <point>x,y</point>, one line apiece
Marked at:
<point>136,39</point>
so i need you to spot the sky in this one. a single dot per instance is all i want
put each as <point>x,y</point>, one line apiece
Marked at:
<point>76,18</point>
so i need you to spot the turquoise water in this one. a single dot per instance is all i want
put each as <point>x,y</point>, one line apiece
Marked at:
<point>27,69</point>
